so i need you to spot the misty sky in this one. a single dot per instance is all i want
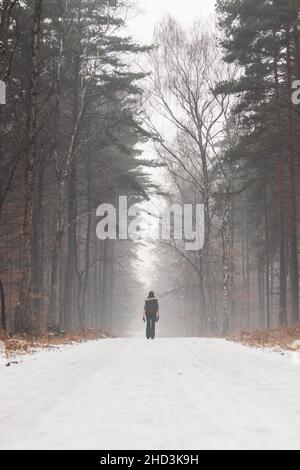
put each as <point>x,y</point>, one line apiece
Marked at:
<point>152,11</point>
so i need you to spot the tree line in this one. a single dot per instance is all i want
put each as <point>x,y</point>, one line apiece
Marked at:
<point>226,93</point>
<point>68,142</point>
<point>217,103</point>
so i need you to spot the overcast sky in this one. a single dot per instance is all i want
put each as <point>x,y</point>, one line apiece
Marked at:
<point>153,11</point>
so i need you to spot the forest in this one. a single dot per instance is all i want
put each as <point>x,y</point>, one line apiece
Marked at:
<point>84,103</point>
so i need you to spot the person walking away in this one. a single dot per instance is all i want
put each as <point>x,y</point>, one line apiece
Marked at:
<point>151,314</point>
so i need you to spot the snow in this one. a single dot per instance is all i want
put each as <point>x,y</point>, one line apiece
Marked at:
<point>164,394</point>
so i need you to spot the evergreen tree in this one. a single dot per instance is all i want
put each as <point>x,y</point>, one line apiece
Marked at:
<point>263,39</point>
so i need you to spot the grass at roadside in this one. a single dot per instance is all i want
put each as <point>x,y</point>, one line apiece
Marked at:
<point>19,344</point>
<point>279,338</point>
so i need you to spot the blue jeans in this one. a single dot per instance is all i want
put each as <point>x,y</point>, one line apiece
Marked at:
<point>151,322</point>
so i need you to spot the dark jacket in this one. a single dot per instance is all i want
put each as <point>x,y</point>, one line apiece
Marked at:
<point>151,306</point>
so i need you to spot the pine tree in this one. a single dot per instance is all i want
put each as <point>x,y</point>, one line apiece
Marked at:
<point>260,37</point>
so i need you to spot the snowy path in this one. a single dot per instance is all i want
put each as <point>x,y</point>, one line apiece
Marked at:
<point>167,394</point>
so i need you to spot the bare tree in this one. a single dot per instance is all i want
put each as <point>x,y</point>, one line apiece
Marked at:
<point>186,69</point>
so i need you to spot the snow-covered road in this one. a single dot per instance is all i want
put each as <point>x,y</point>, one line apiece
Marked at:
<point>166,394</point>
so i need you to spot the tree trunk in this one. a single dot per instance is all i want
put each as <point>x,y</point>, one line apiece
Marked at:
<point>36,261</point>
<point>244,284</point>
<point>232,262</point>
<point>23,318</point>
<point>226,264</point>
<point>261,288</point>
<point>52,317</point>
<point>267,250</point>
<point>294,268</point>
<point>104,282</point>
<point>281,205</point>
<point>203,314</point>
<point>71,250</point>
<point>248,278</point>
<point>71,177</point>
<point>3,307</point>
<point>86,275</point>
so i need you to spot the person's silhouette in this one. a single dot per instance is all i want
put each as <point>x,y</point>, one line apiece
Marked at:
<point>151,314</point>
